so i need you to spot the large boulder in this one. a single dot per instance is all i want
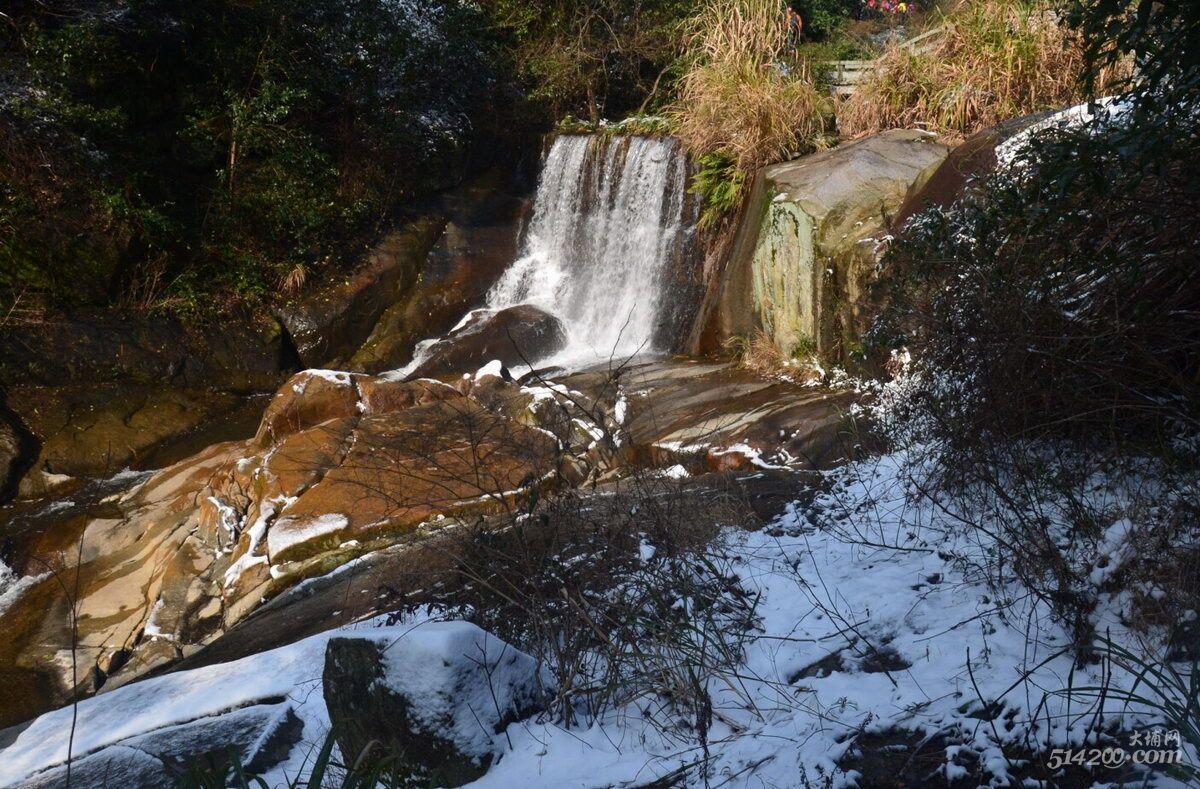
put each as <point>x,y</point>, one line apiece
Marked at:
<point>714,416</point>
<point>435,700</point>
<point>516,336</point>
<point>805,249</point>
<point>972,159</point>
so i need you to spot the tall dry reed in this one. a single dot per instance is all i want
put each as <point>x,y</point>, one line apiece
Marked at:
<point>738,95</point>
<point>993,60</point>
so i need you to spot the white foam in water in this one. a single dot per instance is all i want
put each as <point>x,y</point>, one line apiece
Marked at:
<point>606,218</point>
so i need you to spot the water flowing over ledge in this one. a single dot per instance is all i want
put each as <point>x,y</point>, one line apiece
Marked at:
<point>608,219</point>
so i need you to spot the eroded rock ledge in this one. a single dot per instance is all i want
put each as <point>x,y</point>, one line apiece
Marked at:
<point>344,464</point>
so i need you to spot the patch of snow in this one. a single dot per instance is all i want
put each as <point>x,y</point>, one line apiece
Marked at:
<point>750,453</point>
<point>492,369</point>
<point>255,534</point>
<point>152,630</point>
<point>674,472</point>
<point>339,377</point>
<point>12,586</point>
<point>288,531</point>
<point>1009,152</point>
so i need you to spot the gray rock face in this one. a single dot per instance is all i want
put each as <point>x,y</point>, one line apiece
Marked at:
<point>259,737</point>
<point>974,158</point>
<point>434,700</point>
<point>514,336</point>
<point>806,248</point>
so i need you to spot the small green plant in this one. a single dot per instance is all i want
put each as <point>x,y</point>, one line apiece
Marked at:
<point>804,348</point>
<point>719,183</point>
<point>640,125</point>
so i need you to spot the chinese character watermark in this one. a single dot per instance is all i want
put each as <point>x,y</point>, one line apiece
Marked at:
<point>1154,746</point>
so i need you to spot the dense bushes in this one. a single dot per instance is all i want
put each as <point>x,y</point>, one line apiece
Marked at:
<point>590,58</point>
<point>1055,313</point>
<point>994,60</point>
<point>158,152</point>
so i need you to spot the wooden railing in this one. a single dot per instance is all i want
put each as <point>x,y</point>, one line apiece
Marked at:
<point>844,75</point>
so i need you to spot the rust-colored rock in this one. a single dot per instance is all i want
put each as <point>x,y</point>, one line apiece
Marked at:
<point>307,399</point>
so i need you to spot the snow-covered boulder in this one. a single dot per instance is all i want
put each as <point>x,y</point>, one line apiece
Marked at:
<point>437,698</point>
<point>258,736</point>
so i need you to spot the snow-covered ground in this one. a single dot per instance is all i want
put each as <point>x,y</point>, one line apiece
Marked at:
<point>869,622</point>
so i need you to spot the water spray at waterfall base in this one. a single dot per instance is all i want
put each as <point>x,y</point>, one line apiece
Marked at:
<point>610,216</point>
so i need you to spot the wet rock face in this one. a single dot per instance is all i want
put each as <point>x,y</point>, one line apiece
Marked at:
<point>328,325</point>
<point>433,701</point>
<point>98,430</point>
<point>805,251</point>
<point>514,336</point>
<point>477,243</point>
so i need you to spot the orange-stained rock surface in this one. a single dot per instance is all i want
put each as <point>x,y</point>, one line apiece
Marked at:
<point>346,464</point>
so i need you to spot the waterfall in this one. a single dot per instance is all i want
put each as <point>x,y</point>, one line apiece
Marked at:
<point>610,218</point>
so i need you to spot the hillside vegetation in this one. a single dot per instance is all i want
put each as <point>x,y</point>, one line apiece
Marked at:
<point>213,158</point>
<point>166,153</point>
<point>990,61</point>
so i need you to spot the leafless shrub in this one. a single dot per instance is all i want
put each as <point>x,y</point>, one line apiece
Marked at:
<point>624,594</point>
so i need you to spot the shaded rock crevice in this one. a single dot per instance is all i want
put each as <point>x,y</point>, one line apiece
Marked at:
<point>19,450</point>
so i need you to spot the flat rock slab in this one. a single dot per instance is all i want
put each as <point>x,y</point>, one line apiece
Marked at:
<point>719,417</point>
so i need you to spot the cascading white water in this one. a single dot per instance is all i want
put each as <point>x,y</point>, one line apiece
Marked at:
<point>608,218</point>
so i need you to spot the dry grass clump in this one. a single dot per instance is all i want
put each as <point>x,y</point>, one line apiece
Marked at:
<point>993,61</point>
<point>759,354</point>
<point>735,95</point>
